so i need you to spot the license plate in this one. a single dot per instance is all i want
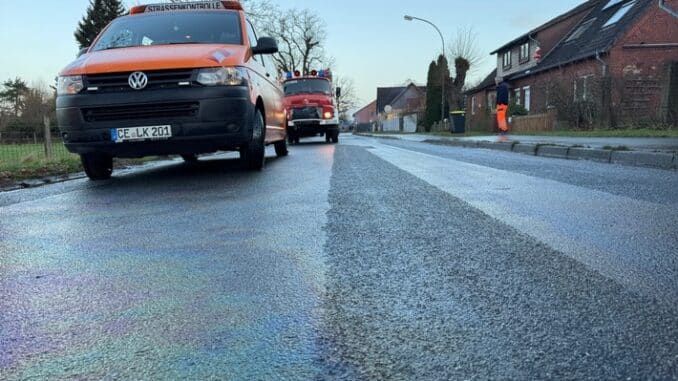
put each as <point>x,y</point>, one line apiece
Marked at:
<point>131,134</point>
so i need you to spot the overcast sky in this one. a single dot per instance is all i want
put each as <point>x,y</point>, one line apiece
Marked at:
<point>369,39</point>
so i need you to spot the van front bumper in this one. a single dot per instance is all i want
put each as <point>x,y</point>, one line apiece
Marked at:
<point>202,119</point>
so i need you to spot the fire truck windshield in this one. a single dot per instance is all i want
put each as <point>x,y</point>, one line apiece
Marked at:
<point>170,28</point>
<point>308,86</point>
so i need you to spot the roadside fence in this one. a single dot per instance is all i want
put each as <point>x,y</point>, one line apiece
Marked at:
<point>20,149</point>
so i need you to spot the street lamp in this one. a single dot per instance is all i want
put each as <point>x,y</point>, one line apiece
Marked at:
<point>442,103</point>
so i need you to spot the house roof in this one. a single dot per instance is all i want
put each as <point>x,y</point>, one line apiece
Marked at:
<point>364,108</point>
<point>525,37</point>
<point>386,95</point>
<point>595,38</point>
<point>487,82</point>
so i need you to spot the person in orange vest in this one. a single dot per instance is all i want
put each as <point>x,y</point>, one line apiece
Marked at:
<point>502,104</point>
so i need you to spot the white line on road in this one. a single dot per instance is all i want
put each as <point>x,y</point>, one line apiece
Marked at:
<point>628,240</point>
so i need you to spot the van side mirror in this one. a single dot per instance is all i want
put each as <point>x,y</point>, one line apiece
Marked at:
<point>82,51</point>
<point>265,45</point>
<point>338,92</point>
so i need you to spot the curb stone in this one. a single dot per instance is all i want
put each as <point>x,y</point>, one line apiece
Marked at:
<point>525,148</point>
<point>661,160</point>
<point>558,152</point>
<point>602,155</point>
<point>34,183</point>
<point>651,159</point>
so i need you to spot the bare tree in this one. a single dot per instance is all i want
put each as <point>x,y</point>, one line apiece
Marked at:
<point>301,34</point>
<point>260,12</point>
<point>464,44</point>
<point>466,57</point>
<point>348,99</point>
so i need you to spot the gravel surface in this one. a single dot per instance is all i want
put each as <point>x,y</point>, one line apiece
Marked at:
<point>421,286</point>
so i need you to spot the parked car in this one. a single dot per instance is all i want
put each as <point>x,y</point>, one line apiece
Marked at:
<point>173,79</point>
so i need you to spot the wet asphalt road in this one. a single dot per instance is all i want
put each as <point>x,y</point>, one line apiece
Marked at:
<point>368,260</point>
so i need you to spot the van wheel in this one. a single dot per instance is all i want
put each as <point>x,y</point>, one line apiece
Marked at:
<point>281,148</point>
<point>190,158</point>
<point>97,166</point>
<point>254,153</point>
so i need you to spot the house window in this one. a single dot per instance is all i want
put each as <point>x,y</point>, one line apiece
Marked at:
<point>525,52</point>
<point>611,3</point>
<point>579,31</point>
<point>527,91</point>
<point>583,88</point>
<point>492,101</point>
<point>517,96</point>
<point>473,105</point>
<point>619,14</point>
<point>507,59</point>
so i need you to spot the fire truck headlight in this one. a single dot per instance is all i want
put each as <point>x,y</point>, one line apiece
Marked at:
<point>69,85</point>
<point>221,76</point>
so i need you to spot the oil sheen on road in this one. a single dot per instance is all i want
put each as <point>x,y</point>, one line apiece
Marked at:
<point>176,272</point>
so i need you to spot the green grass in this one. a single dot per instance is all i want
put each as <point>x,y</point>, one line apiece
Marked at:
<point>22,161</point>
<point>27,161</point>
<point>629,133</point>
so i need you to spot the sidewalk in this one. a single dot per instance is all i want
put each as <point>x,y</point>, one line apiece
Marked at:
<point>648,152</point>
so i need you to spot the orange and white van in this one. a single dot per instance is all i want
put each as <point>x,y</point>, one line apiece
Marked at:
<point>173,79</point>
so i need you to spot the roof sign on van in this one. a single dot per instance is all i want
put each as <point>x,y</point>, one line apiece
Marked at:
<point>191,6</point>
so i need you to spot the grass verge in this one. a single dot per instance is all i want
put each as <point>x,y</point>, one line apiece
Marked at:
<point>27,161</point>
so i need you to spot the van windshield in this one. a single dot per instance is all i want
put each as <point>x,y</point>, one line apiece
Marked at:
<point>307,86</point>
<point>170,28</point>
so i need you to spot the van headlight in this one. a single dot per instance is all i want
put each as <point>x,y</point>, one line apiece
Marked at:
<point>221,76</point>
<point>69,84</point>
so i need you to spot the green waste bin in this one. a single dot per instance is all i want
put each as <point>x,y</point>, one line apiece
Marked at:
<point>458,122</point>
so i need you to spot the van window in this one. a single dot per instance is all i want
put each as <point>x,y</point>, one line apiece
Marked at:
<point>172,28</point>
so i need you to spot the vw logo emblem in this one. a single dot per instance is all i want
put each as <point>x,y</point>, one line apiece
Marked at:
<point>138,80</point>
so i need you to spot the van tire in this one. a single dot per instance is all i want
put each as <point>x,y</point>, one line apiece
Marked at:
<point>190,158</point>
<point>97,166</point>
<point>253,154</point>
<point>281,148</point>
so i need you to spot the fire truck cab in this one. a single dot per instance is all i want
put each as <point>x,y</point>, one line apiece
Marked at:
<point>311,104</point>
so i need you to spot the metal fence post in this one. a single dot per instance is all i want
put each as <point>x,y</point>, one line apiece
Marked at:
<point>48,137</point>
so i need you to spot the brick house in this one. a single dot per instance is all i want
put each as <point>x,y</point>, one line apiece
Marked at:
<point>605,62</point>
<point>400,108</point>
<point>367,114</point>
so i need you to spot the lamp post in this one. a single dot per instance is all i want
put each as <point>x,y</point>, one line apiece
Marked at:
<point>442,103</point>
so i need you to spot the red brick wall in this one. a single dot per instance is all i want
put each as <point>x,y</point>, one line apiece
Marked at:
<point>564,76</point>
<point>640,74</point>
<point>367,114</point>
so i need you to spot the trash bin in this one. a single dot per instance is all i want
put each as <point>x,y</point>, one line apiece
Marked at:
<point>458,122</point>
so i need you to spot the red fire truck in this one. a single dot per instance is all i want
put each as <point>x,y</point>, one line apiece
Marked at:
<point>311,104</point>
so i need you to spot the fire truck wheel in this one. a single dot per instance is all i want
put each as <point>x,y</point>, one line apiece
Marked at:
<point>281,148</point>
<point>254,153</point>
<point>97,167</point>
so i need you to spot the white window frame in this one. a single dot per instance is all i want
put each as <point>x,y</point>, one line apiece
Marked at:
<point>473,105</point>
<point>516,95</point>
<point>611,3</point>
<point>524,48</point>
<point>506,59</point>
<point>621,12</point>
<point>528,97</point>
